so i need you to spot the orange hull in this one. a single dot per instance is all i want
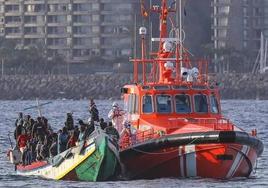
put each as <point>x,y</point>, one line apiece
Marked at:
<point>210,156</point>
<point>208,161</point>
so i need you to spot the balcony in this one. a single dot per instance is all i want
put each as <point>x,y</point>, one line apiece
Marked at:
<point>34,24</point>
<point>55,24</point>
<point>13,24</point>
<point>58,47</point>
<point>34,35</point>
<point>14,35</point>
<point>221,3</point>
<point>33,2</point>
<point>58,35</point>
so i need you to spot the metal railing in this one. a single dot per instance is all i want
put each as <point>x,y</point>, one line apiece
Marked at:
<point>127,140</point>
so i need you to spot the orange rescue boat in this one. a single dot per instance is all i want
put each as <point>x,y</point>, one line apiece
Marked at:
<point>176,128</point>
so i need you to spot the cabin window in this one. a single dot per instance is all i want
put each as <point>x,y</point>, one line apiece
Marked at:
<point>132,106</point>
<point>147,104</point>
<point>200,103</point>
<point>214,105</point>
<point>163,103</point>
<point>182,103</point>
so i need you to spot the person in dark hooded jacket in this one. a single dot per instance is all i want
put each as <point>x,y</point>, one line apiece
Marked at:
<point>93,111</point>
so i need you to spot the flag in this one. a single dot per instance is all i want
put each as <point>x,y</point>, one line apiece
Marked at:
<point>144,13</point>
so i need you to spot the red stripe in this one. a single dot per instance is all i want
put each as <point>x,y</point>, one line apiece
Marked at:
<point>33,166</point>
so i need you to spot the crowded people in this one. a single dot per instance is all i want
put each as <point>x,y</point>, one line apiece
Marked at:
<point>37,141</point>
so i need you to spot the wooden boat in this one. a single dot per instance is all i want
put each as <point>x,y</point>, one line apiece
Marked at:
<point>176,128</point>
<point>95,159</point>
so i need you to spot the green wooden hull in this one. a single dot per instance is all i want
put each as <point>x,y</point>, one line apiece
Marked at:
<point>94,160</point>
<point>99,166</point>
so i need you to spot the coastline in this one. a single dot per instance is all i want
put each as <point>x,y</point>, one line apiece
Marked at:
<point>107,86</point>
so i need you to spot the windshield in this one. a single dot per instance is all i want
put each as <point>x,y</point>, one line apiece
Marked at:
<point>200,103</point>
<point>182,104</point>
<point>163,103</point>
<point>214,104</point>
<point>147,105</point>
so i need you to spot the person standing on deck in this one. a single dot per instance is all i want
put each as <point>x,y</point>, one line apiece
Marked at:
<point>19,126</point>
<point>93,111</point>
<point>116,114</point>
<point>19,121</point>
<point>69,123</point>
<point>38,128</point>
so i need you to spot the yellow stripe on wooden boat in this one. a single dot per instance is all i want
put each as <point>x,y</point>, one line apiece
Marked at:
<point>78,159</point>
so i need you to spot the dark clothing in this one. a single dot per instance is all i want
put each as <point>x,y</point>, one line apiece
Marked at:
<point>28,126</point>
<point>18,131</point>
<point>38,130</point>
<point>89,129</point>
<point>49,140</point>
<point>19,121</point>
<point>53,150</point>
<point>33,144</point>
<point>76,133</point>
<point>69,123</point>
<point>44,152</point>
<point>94,113</point>
<point>63,140</point>
<point>27,157</point>
<point>103,125</point>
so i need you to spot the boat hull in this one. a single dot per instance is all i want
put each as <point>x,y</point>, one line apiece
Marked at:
<point>203,156</point>
<point>97,161</point>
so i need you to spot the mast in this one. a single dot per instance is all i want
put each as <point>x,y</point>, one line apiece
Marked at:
<point>162,54</point>
<point>169,61</point>
<point>180,46</point>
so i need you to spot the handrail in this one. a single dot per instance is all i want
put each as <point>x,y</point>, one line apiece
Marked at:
<point>127,140</point>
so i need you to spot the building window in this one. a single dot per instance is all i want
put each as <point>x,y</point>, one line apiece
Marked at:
<point>245,33</point>
<point>245,22</point>
<point>30,30</point>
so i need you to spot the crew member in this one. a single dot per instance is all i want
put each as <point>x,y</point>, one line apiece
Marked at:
<point>116,114</point>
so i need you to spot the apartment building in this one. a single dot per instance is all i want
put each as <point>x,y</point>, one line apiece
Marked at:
<point>76,29</point>
<point>239,23</point>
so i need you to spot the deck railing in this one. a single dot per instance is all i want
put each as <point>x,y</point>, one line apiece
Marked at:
<point>129,139</point>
